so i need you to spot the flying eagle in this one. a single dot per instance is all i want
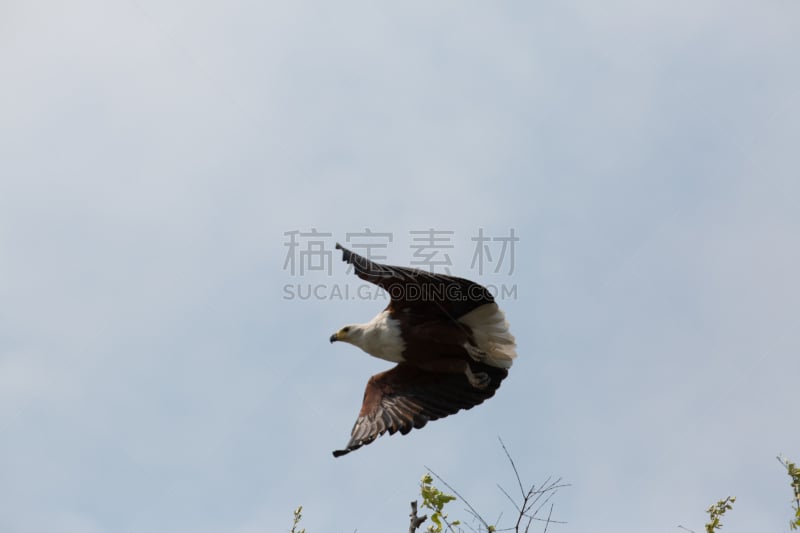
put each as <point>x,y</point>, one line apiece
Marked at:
<point>448,337</point>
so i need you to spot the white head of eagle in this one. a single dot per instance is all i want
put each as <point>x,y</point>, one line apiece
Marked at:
<point>450,341</point>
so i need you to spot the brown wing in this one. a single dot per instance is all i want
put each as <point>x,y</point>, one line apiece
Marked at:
<point>411,288</point>
<point>406,397</point>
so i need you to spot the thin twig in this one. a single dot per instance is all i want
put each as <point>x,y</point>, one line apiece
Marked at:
<point>513,466</point>
<point>509,498</point>
<point>463,499</point>
<point>548,519</point>
<point>536,512</point>
<point>470,527</point>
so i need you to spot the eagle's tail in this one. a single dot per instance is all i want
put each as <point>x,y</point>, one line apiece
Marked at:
<point>491,334</point>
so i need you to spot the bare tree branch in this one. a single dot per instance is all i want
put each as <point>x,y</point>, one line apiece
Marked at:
<point>416,521</point>
<point>533,502</point>
<point>513,466</point>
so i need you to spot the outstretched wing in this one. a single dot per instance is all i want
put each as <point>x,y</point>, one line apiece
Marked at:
<point>406,397</point>
<point>411,288</point>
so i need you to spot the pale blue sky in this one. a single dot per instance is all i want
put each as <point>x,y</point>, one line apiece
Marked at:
<point>152,155</point>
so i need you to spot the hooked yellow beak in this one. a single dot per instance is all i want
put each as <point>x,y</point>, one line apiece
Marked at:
<point>341,335</point>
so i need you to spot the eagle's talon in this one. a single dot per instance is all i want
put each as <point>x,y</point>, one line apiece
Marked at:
<point>474,352</point>
<point>479,380</point>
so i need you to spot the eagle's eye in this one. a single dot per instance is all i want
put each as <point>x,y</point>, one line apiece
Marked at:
<point>345,329</point>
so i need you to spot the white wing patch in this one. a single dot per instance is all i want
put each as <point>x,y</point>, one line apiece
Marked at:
<point>496,344</point>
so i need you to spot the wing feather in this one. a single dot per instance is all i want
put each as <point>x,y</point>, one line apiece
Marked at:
<point>406,398</point>
<point>411,288</point>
